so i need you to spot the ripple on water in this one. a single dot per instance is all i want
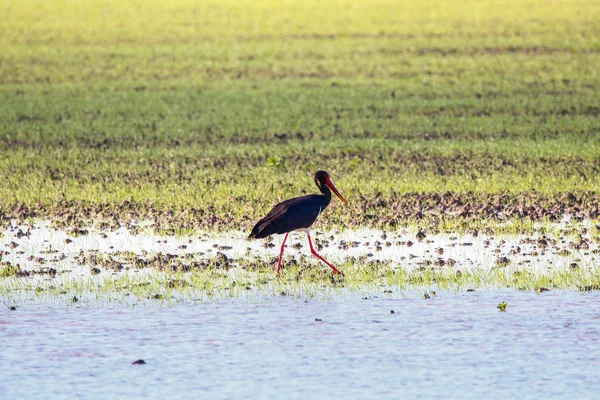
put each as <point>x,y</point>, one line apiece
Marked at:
<point>449,346</point>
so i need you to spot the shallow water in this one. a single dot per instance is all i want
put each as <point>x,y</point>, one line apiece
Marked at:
<point>454,345</point>
<point>53,248</point>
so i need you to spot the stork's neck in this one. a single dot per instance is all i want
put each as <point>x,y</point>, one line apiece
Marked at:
<point>326,194</point>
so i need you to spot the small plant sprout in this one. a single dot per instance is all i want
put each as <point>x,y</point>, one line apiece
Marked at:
<point>274,162</point>
<point>502,306</point>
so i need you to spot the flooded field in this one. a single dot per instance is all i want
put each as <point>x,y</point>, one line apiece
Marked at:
<point>416,314</point>
<point>42,263</point>
<point>452,345</point>
<point>39,247</point>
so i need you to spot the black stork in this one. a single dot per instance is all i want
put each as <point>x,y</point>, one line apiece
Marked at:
<point>298,214</point>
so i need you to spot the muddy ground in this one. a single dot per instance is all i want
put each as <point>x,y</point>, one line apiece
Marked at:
<point>397,209</point>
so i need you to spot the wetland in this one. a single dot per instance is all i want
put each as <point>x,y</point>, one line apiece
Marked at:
<point>139,143</point>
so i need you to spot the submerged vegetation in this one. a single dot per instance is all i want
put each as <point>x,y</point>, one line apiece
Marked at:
<point>47,263</point>
<point>300,280</point>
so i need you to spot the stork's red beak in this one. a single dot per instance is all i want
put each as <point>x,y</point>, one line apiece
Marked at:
<point>333,189</point>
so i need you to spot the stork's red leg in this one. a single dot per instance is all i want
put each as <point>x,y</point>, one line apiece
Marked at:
<point>314,253</point>
<point>281,252</point>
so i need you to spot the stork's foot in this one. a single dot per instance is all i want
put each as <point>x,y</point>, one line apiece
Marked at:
<point>337,279</point>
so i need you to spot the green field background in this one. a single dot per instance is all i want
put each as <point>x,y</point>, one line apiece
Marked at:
<point>203,114</point>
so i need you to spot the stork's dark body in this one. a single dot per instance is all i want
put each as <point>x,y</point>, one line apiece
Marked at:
<point>291,215</point>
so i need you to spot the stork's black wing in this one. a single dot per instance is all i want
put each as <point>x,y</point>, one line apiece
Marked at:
<point>287,216</point>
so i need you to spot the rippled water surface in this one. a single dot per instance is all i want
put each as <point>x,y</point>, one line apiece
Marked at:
<point>454,345</point>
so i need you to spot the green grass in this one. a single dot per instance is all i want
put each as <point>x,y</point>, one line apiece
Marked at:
<point>203,115</point>
<point>301,280</point>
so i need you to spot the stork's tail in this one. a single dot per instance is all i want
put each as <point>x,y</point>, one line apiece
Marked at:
<point>255,234</point>
<point>258,231</point>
